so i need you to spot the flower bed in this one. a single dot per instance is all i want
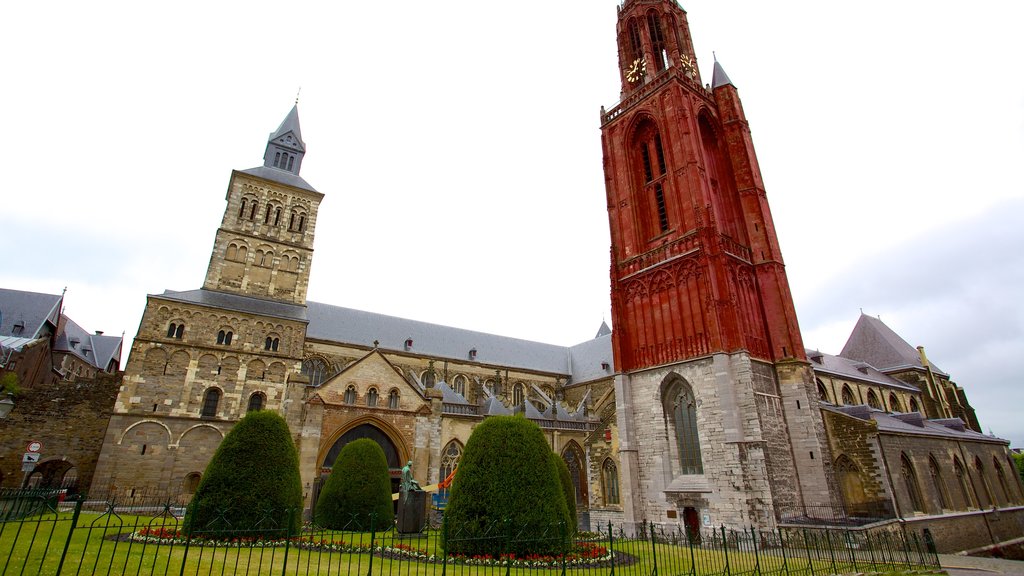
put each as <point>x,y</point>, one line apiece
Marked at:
<point>585,553</point>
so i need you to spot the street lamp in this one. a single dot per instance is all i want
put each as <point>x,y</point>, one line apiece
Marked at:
<point>6,405</point>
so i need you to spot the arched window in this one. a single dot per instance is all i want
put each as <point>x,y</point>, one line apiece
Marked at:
<point>610,482</point>
<point>518,394</point>
<point>636,48</point>
<point>459,385</point>
<point>256,402</point>
<point>224,337</point>
<point>393,399</point>
<point>913,405</point>
<point>315,369</point>
<point>573,457</point>
<point>450,457</point>
<point>937,483</point>
<point>191,482</point>
<point>252,210</point>
<point>271,344</point>
<point>266,217</point>
<point>650,157</point>
<point>985,489</point>
<point>873,400</point>
<point>850,483</point>
<point>171,330</point>
<point>657,41</point>
<point>350,394</point>
<point>848,396</point>
<point>961,481</point>
<point>822,391</point>
<point>910,483</point>
<point>1002,480</point>
<point>894,403</point>
<point>241,211</point>
<point>681,409</point>
<point>210,402</point>
<point>428,379</point>
<point>277,160</point>
<point>277,216</point>
<point>371,397</point>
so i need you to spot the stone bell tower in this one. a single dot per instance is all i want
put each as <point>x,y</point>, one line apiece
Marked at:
<point>717,398</point>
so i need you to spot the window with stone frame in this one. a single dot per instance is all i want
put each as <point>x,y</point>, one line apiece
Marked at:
<point>986,490</point>
<point>910,483</point>
<point>1001,477</point>
<point>961,481</point>
<point>894,403</point>
<point>315,369</point>
<point>371,397</point>
<point>271,343</point>
<point>610,482</point>
<point>393,400</point>
<point>913,405</point>
<point>191,482</point>
<point>848,399</point>
<point>211,400</point>
<point>257,400</point>
<point>822,391</point>
<point>518,394</point>
<point>873,400</point>
<point>680,408</point>
<point>350,394</point>
<point>459,385</point>
<point>575,462</point>
<point>224,337</point>
<point>938,483</point>
<point>175,331</point>
<point>450,457</point>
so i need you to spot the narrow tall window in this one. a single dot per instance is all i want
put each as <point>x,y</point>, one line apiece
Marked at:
<point>652,167</point>
<point>315,369</point>
<point>894,403</point>
<point>210,402</point>
<point>459,385</point>
<point>450,457</point>
<point>1002,481</point>
<point>986,490</point>
<point>610,482</point>
<point>848,396</point>
<point>873,400</point>
<point>277,160</point>
<point>291,162</point>
<point>681,407</point>
<point>574,462</point>
<point>961,481</point>
<point>657,41</point>
<point>277,216</point>
<point>241,211</point>
<point>350,395</point>
<point>180,331</point>
<point>635,44</point>
<point>393,400</point>
<point>913,405</point>
<point>171,330</point>
<point>822,392</point>
<point>266,217</point>
<point>371,397</point>
<point>252,211</point>
<point>937,483</point>
<point>518,396</point>
<point>659,199</point>
<point>910,483</point>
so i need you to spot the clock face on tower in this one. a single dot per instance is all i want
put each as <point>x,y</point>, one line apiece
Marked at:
<point>637,70</point>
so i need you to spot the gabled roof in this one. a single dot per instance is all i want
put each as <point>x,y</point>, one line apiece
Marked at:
<point>875,343</point>
<point>280,176</point>
<point>238,303</point>
<point>853,370</point>
<point>96,349</point>
<point>32,311</point>
<point>290,124</point>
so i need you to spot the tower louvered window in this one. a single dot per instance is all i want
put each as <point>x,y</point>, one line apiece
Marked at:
<point>650,155</point>
<point>657,41</point>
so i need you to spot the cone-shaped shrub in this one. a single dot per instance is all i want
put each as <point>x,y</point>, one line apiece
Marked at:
<point>568,490</point>
<point>251,487</point>
<point>506,496</point>
<point>358,490</point>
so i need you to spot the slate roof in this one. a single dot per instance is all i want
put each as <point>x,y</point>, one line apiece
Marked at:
<point>96,349</point>
<point>586,359</point>
<point>875,343</point>
<point>32,309</point>
<point>236,302</point>
<point>720,78</point>
<point>914,424</point>
<point>280,176</point>
<point>853,370</point>
<point>290,124</point>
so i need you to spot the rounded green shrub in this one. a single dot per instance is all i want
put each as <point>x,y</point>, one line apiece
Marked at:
<point>251,486</point>
<point>506,496</point>
<point>358,491</point>
<point>568,490</point>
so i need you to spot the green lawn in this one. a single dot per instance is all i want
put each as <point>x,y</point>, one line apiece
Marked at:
<point>35,546</point>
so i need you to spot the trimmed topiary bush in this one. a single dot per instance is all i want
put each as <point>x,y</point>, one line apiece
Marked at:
<point>251,486</point>
<point>506,496</point>
<point>359,486</point>
<point>568,490</point>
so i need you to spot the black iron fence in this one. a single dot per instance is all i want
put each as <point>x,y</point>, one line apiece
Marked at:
<point>45,532</point>
<point>838,515</point>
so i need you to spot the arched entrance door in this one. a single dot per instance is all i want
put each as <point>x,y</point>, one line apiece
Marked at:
<point>374,433</point>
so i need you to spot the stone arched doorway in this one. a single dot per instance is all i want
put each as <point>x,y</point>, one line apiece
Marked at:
<point>392,453</point>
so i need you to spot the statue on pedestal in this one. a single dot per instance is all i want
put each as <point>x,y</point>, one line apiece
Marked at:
<point>412,503</point>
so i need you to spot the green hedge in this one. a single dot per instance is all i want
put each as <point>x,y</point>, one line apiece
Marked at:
<point>568,490</point>
<point>251,487</point>
<point>358,490</point>
<point>506,484</point>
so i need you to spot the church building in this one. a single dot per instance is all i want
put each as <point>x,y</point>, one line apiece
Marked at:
<point>702,408</point>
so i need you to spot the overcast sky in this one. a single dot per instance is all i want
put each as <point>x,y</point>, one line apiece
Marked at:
<point>458,145</point>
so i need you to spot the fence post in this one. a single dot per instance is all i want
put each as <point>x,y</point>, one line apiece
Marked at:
<point>689,542</point>
<point>71,532</point>
<point>725,548</point>
<point>611,547</point>
<point>757,557</point>
<point>807,548</point>
<point>906,544</point>
<point>373,536</point>
<point>446,543</point>
<point>654,550</point>
<point>508,546</point>
<point>917,546</point>
<point>831,550</point>
<point>849,548</point>
<point>782,546</point>
<point>287,540</point>
<point>184,555</point>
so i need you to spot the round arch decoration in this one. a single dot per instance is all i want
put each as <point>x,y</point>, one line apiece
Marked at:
<point>389,438</point>
<point>170,435</point>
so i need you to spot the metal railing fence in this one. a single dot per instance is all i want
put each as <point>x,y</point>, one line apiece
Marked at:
<point>42,534</point>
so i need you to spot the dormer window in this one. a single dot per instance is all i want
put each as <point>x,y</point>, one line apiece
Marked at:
<point>75,342</point>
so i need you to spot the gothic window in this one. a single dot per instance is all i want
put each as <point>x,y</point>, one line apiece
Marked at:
<point>848,396</point>
<point>894,403</point>
<point>393,400</point>
<point>256,402</point>
<point>681,412</point>
<point>428,379</point>
<point>910,483</point>
<point>573,457</point>
<point>657,41</point>
<point>850,483</point>
<point>610,482</point>
<point>1002,480</point>
<point>224,337</point>
<point>350,394</point>
<point>961,480</point>
<point>291,162</point>
<point>371,397</point>
<point>636,48</point>
<point>450,457</point>
<point>873,400</point>
<point>518,395</point>
<point>271,344</point>
<point>980,468</point>
<point>937,483</point>
<point>459,385</point>
<point>913,405</point>
<point>210,402</point>
<point>191,483</point>
<point>651,158</point>
<point>822,391</point>
<point>315,369</point>
<point>175,330</point>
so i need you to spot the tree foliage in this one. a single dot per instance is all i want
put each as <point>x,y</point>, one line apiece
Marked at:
<point>507,486</point>
<point>568,490</point>
<point>358,491</point>
<point>251,487</point>
<point>1018,459</point>
<point>9,384</point>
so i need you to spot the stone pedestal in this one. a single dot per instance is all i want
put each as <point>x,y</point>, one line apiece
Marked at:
<point>412,511</point>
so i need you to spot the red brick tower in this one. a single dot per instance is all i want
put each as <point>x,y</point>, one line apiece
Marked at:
<point>716,403</point>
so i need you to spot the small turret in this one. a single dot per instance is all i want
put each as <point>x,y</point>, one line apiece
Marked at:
<point>285,147</point>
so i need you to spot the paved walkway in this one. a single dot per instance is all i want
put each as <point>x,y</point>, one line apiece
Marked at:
<point>972,566</point>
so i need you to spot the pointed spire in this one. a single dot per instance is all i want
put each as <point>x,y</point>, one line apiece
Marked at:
<point>285,147</point>
<point>290,124</point>
<point>720,78</point>
<point>604,330</point>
